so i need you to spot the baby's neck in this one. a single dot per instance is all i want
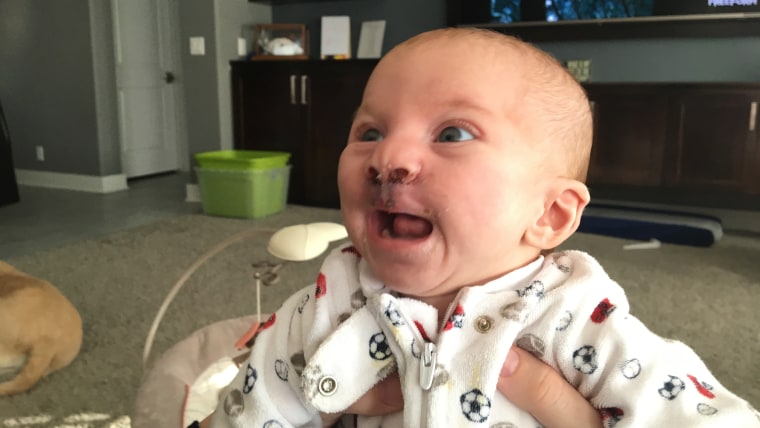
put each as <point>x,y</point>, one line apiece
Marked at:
<point>441,303</point>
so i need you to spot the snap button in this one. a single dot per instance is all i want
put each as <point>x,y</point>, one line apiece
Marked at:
<point>327,385</point>
<point>483,324</point>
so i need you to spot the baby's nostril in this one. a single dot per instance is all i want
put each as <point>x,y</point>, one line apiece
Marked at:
<point>397,175</point>
<point>374,175</point>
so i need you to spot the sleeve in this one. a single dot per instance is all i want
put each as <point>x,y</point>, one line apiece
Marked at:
<point>633,376</point>
<point>267,389</point>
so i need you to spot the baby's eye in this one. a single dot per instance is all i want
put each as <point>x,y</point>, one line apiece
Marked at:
<point>372,135</point>
<point>454,134</point>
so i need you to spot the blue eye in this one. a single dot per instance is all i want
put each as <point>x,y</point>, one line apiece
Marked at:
<point>372,135</point>
<point>453,134</point>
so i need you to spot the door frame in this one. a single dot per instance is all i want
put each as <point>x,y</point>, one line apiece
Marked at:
<point>169,36</point>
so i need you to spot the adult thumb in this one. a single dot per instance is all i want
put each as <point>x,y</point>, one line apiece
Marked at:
<point>538,389</point>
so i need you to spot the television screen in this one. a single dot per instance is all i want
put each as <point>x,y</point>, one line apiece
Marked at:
<point>510,11</point>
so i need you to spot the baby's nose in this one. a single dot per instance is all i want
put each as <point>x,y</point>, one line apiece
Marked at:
<point>390,175</point>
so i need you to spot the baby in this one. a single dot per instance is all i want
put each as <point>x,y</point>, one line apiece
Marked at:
<point>464,165</point>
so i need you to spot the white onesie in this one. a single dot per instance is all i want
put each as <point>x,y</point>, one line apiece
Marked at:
<point>331,342</point>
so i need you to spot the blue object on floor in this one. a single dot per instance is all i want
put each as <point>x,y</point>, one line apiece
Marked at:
<point>645,224</point>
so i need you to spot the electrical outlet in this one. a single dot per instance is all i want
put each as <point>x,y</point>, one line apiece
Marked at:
<point>40,151</point>
<point>580,68</point>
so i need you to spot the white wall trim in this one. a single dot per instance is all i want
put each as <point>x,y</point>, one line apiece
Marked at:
<point>83,183</point>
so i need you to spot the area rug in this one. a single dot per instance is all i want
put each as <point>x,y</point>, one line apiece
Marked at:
<point>706,297</point>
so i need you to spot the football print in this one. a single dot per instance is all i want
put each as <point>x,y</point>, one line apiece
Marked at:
<point>672,388</point>
<point>706,409</point>
<point>281,368</point>
<point>234,403</point>
<point>250,379</point>
<point>393,315</point>
<point>378,347</point>
<point>565,321</point>
<point>631,368</point>
<point>584,359</point>
<point>476,407</point>
<point>534,289</point>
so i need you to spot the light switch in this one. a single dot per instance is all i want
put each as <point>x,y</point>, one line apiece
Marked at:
<point>242,47</point>
<point>197,46</point>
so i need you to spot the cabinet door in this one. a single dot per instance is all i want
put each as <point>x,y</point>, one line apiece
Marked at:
<point>334,92</point>
<point>717,142</point>
<point>629,137</point>
<point>269,115</point>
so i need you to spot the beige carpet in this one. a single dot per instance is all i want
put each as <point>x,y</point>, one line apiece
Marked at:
<point>706,297</point>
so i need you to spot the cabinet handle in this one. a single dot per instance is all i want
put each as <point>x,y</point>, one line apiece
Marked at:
<point>752,115</point>
<point>304,82</point>
<point>292,88</point>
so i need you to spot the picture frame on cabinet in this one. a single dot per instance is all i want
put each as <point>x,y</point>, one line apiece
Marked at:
<point>280,41</point>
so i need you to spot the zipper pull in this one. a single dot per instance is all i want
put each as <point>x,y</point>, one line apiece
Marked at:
<point>427,365</point>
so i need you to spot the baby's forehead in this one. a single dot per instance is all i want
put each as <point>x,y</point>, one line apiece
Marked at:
<point>485,47</point>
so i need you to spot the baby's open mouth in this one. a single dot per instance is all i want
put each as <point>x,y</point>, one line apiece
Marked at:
<point>403,226</point>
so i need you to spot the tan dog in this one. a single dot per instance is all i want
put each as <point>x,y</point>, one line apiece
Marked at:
<point>40,330</point>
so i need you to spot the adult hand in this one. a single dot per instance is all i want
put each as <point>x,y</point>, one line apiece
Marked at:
<point>540,390</point>
<point>383,398</point>
<point>525,380</point>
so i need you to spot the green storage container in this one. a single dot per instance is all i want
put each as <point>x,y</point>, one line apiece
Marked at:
<point>242,159</point>
<point>244,193</point>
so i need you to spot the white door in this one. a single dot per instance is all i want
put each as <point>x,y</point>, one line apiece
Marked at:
<point>144,56</point>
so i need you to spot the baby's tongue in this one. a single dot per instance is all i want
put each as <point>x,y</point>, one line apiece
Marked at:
<point>410,227</point>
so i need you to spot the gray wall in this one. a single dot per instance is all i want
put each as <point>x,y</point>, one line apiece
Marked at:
<point>404,18</point>
<point>199,75</point>
<point>735,59</point>
<point>47,84</point>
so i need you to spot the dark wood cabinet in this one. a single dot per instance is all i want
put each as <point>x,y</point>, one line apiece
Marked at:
<point>716,140</point>
<point>304,108</point>
<point>683,143</point>
<point>629,136</point>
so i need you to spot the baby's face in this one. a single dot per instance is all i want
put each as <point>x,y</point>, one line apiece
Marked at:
<point>439,178</point>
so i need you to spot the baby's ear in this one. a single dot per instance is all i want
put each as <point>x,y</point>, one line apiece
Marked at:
<point>563,208</point>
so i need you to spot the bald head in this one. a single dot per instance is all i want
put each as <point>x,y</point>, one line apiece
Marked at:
<point>551,104</point>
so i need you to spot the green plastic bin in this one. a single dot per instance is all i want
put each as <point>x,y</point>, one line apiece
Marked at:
<point>245,193</point>
<point>242,159</point>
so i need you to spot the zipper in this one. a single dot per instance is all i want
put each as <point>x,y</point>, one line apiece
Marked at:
<point>427,365</point>
<point>428,354</point>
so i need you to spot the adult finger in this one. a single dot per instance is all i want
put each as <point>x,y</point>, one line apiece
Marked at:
<point>383,398</point>
<point>541,391</point>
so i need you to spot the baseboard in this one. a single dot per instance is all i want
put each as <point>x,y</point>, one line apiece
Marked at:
<point>192,193</point>
<point>80,182</point>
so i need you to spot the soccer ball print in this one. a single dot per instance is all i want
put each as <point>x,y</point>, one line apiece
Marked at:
<point>671,388</point>
<point>281,368</point>
<point>378,347</point>
<point>476,407</point>
<point>584,359</point>
<point>250,379</point>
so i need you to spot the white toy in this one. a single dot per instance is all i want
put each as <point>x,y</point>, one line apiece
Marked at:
<point>282,46</point>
